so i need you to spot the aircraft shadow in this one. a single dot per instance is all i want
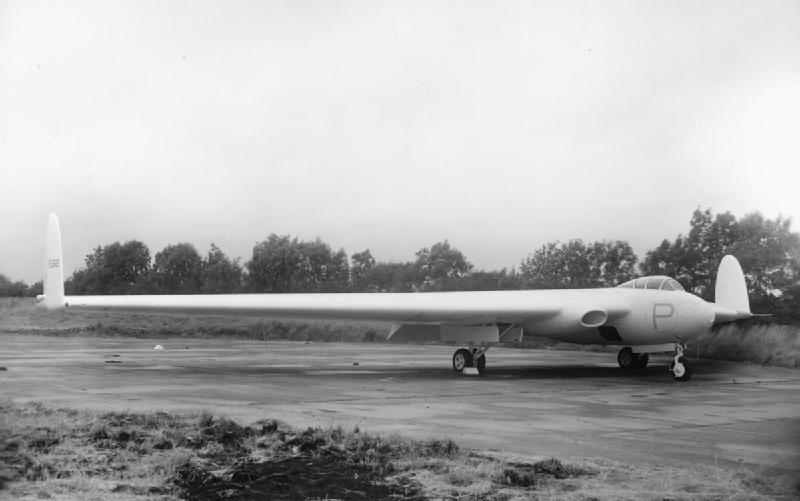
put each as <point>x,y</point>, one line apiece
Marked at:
<point>573,372</point>
<point>368,373</point>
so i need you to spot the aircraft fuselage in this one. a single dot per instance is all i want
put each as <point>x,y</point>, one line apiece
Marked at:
<point>652,317</point>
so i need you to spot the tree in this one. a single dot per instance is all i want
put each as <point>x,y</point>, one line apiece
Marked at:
<point>35,289</point>
<point>543,268</point>
<point>337,273</point>
<point>490,281</point>
<point>284,264</point>
<point>441,266</point>
<point>768,251</point>
<point>176,270</point>
<point>113,269</point>
<point>321,269</point>
<point>273,264</point>
<point>219,274</point>
<point>392,277</point>
<point>360,265</point>
<point>615,261</point>
<point>576,265</point>
<point>12,289</point>
<point>787,307</point>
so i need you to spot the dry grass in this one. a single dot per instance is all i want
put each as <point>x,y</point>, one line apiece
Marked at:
<point>64,454</point>
<point>67,454</point>
<point>761,344</point>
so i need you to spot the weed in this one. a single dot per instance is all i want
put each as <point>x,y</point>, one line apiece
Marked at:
<point>434,447</point>
<point>99,431</point>
<point>519,477</point>
<point>43,439</point>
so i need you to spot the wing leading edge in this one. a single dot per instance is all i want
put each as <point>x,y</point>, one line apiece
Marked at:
<point>432,307</point>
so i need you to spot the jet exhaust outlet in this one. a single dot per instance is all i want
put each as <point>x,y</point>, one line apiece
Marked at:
<point>594,318</point>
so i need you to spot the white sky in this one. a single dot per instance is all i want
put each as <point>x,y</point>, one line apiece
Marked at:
<point>391,125</point>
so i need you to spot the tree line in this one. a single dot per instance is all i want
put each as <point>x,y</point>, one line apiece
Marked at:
<point>768,251</point>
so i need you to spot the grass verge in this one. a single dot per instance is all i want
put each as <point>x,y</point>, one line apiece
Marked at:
<point>766,344</point>
<point>67,454</point>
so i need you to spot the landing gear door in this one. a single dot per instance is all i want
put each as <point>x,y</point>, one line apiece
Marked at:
<point>471,333</point>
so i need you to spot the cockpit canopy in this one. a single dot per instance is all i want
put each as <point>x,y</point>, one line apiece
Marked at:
<point>655,282</point>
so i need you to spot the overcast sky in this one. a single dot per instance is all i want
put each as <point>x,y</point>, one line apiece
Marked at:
<point>391,125</point>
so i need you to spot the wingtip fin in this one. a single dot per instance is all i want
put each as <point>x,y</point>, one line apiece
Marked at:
<point>730,291</point>
<point>53,297</point>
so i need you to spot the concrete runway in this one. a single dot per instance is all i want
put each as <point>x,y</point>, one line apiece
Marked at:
<point>533,402</point>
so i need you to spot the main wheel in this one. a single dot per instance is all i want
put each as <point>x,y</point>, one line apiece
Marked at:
<point>680,371</point>
<point>642,360</point>
<point>462,358</point>
<point>626,359</point>
<point>480,364</point>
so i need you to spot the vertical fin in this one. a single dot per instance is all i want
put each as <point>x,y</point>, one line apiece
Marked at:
<point>53,297</point>
<point>731,289</point>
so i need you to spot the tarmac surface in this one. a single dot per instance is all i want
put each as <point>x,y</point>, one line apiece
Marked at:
<point>565,404</point>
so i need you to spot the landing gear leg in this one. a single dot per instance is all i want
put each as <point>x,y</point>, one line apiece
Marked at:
<point>680,366</point>
<point>479,357</point>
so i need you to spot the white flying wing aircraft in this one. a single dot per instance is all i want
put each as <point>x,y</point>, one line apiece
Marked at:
<point>645,315</point>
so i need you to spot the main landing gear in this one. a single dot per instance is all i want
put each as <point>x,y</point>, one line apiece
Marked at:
<point>629,360</point>
<point>465,358</point>
<point>679,367</point>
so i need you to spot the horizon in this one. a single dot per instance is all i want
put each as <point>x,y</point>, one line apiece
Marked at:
<point>243,259</point>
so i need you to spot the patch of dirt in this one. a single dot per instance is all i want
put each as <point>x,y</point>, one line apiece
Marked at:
<point>43,439</point>
<point>290,478</point>
<point>305,466</point>
<point>139,490</point>
<point>10,461</point>
<point>530,475</point>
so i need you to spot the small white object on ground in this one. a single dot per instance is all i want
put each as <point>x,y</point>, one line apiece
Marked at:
<point>158,347</point>
<point>473,371</point>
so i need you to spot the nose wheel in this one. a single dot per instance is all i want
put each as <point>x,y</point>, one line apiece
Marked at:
<point>679,367</point>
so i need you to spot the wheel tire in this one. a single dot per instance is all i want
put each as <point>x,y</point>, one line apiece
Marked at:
<point>626,359</point>
<point>687,371</point>
<point>642,361</point>
<point>462,358</point>
<point>480,364</point>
